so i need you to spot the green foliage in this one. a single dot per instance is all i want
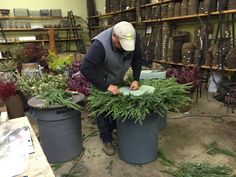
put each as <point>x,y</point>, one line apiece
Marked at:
<point>8,66</point>
<point>201,170</point>
<point>56,166</point>
<point>165,160</point>
<point>213,149</point>
<point>59,63</point>
<point>38,84</point>
<point>57,96</point>
<point>28,53</point>
<point>110,167</point>
<point>168,95</point>
<point>51,88</point>
<point>194,169</point>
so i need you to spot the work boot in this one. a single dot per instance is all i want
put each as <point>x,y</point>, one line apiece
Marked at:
<point>108,149</point>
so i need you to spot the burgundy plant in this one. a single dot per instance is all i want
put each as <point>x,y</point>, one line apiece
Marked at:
<point>77,82</point>
<point>33,52</point>
<point>189,75</point>
<point>7,89</point>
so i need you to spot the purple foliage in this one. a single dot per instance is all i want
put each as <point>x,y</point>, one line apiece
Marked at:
<point>189,75</point>
<point>77,82</point>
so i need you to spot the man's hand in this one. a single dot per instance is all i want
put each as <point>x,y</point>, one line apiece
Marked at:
<point>134,85</point>
<point>113,89</point>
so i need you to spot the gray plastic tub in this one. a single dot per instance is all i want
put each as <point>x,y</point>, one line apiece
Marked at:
<point>59,131</point>
<point>138,143</point>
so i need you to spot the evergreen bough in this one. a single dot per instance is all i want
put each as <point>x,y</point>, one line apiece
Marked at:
<point>168,95</point>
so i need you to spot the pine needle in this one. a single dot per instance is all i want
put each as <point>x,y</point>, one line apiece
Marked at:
<point>213,149</point>
<point>201,170</point>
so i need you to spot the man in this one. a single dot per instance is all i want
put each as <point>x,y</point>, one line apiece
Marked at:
<point>111,54</point>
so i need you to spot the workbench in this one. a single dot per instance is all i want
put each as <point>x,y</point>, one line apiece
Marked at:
<point>38,165</point>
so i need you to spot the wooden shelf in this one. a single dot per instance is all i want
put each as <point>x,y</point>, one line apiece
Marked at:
<point>40,41</point>
<point>29,18</point>
<point>125,10</point>
<point>156,3</point>
<point>36,29</point>
<point>105,26</point>
<point>111,13</point>
<point>188,16</point>
<point>203,66</point>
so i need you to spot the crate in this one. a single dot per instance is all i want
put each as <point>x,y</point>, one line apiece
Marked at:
<point>56,12</point>
<point>21,12</point>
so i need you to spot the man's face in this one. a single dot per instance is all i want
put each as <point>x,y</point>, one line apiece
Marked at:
<point>116,41</point>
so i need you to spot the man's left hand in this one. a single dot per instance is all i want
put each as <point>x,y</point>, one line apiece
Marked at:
<point>134,85</point>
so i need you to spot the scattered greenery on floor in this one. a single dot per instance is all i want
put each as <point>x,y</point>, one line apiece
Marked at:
<point>164,160</point>
<point>110,167</point>
<point>201,170</point>
<point>56,166</point>
<point>70,175</point>
<point>194,169</point>
<point>213,149</point>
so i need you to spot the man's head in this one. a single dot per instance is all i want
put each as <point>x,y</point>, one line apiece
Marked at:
<point>124,36</point>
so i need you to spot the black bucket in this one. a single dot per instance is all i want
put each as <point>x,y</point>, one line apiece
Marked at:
<point>138,143</point>
<point>60,133</point>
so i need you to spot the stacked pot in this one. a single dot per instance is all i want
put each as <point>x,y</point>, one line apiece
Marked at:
<point>177,9</point>
<point>188,53</point>
<point>223,5</point>
<point>193,6</point>
<point>184,8</point>
<point>231,4</point>
<point>157,49</point>
<point>170,52</point>
<point>166,31</point>
<point>215,55</point>
<point>148,14</point>
<point>197,56</point>
<point>116,4</point>
<point>230,61</point>
<point>130,4</point>
<point>179,41</point>
<point>91,8</point>
<point>109,6</point>
<point>175,45</point>
<point>201,8</point>
<point>210,5</point>
<point>143,2</point>
<point>156,12</point>
<point>164,10</point>
<point>170,11</point>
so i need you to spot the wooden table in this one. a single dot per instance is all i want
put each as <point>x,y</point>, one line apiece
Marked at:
<point>38,165</point>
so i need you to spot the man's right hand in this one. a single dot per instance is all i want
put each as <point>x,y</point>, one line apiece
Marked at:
<point>113,89</point>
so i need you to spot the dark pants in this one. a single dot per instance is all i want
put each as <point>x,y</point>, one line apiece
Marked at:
<point>105,125</point>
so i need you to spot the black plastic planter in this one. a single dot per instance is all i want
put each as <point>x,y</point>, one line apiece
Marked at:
<point>59,131</point>
<point>138,143</point>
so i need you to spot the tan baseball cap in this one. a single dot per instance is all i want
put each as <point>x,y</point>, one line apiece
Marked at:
<point>126,33</point>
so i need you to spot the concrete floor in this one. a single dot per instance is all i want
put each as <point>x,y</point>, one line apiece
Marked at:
<point>183,140</point>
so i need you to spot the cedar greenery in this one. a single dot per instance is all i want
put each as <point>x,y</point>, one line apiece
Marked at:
<point>188,169</point>
<point>213,149</point>
<point>201,170</point>
<point>37,84</point>
<point>57,96</point>
<point>51,88</point>
<point>168,95</point>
